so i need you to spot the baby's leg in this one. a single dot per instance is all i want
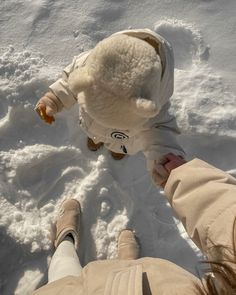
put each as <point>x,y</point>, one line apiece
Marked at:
<point>92,146</point>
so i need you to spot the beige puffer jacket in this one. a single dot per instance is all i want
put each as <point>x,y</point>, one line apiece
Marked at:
<point>156,137</point>
<point>204,199</point>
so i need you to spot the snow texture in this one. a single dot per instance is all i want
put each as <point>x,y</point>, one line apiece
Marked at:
<point>42,165</point>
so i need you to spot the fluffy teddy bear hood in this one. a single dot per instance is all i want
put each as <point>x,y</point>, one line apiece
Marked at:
<point>126,79</point>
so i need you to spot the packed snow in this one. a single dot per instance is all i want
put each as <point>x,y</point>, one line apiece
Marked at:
<point>41,165</point>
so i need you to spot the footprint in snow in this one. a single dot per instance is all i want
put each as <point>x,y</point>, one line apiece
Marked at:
<point>187,42</point>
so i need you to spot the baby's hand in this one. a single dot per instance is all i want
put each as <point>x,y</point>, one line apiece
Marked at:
<point>41,109</point>
<point>47,107</point>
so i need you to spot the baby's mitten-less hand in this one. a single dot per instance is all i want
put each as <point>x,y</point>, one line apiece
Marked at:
<point>48,106</point>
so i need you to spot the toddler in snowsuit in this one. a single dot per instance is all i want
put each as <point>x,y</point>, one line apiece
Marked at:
<point>123,86</point>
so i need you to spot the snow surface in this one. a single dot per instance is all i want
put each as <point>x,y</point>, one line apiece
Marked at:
<point>41,165</point>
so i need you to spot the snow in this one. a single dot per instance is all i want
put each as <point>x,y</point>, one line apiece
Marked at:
<point>41,165</point>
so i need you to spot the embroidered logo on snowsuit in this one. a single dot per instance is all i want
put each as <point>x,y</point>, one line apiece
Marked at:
<point>119,135</point>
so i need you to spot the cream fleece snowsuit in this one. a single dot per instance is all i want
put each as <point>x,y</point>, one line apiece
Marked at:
<point>204,199</point>
<point>156,137</point>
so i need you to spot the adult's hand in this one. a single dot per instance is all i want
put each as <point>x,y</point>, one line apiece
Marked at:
<point>172,162</point>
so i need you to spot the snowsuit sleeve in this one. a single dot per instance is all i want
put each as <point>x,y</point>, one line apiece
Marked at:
<point>204,199</point>
<point>61,87</point>
<point>160,139</point>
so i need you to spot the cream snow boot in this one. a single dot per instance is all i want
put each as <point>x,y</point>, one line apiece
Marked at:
<point>92,146</point>
<point>128,247</point>
<point>68,222</point>
<point>117,156</point>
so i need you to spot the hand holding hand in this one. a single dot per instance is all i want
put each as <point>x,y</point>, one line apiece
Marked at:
<point>173,161</point>
<point>161,171</point>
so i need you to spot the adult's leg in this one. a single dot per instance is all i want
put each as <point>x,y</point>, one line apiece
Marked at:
<point>65,261</point>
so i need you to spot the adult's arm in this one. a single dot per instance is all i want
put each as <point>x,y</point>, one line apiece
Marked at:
<point>204,199</point>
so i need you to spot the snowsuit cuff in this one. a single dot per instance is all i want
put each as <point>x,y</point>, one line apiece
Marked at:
<point>61,89</point>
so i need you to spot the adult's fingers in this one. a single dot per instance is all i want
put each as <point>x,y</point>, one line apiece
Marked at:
<point>161,170</point>
<point>171,156</point>
<point>172,164</point>
<point>159,174</point>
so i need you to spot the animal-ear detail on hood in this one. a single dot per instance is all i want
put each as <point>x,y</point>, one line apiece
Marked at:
<point>144,108</point>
